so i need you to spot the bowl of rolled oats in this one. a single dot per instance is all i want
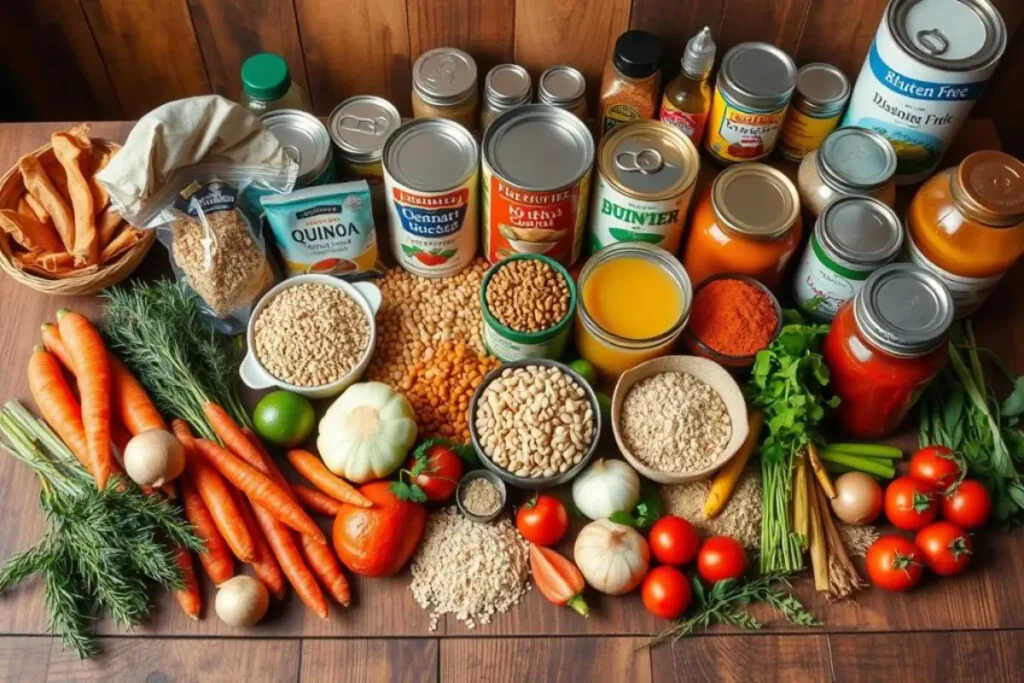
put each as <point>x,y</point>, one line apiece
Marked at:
<point>678,419</point>
<point>535,423</point>
<point>312,335</point>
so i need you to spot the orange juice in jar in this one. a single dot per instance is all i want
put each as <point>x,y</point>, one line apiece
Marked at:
<point>747,222</point>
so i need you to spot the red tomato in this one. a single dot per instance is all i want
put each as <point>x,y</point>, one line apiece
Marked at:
<point>936,465</point>
<point>911,504</point>
<point>721,557</point>
<point>674,541</point>
<point>946,547</point>
<point>439,474</point>
<point>666,592</point>
<point>543,520</point>
<point>969,505</point>
<point>894,563</point>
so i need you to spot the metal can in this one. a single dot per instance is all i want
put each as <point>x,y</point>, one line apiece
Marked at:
<point>359,126</point>
<point>306,140</point>
<point>851,161</point>
<point>852,238</point>
<point>563,87</point>
<point>925,69</point>
<point>644,182</point>
<point>430,183</point>
<point>444,85</point>
<point>752,92</point>
<point>822,92</point>
<point>506,87</point>
<point>536,180</point>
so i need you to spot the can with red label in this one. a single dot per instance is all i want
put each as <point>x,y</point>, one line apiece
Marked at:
<point>430,184</point>
<point>536,178</point>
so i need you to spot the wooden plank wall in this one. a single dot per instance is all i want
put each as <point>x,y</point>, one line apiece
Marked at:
<point>110,59</point>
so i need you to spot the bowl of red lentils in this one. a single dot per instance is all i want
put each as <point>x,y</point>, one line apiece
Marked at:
<point>732,318</point>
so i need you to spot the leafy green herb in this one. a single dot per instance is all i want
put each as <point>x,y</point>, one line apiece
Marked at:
<point>647,511</point>
<point>464,451</point>
<point>406,489</point>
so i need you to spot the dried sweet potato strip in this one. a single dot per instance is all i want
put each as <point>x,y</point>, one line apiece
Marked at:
<point>72,157</point>
<point>28,232</point>
<point>39,186</point>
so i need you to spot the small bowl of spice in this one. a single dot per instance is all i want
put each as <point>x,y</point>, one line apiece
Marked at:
<point>732,318</point>
<point>534,423</point>
<point>528,303</point>
<point>481,496</point>
<point>678,419</point>
<point>312,335</point>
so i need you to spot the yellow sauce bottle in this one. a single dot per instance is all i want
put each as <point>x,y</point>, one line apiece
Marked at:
<point>687,98</point>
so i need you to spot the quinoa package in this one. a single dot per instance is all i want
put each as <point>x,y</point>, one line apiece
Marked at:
<point>185,171</point>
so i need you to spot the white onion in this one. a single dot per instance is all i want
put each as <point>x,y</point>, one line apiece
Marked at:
<point>606,487</point>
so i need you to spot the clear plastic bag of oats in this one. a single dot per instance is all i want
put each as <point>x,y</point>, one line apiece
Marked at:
<point>193,170</point>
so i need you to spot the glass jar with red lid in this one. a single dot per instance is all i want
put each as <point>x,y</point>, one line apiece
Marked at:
<point>885,346</point>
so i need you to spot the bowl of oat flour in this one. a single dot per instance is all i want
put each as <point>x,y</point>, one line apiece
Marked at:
<point>312,335</point>
<point>678,419</point>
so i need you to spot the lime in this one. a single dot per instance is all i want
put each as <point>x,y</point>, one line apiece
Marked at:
<point>284,418</point>
<point>585,369</point>
<point>605,403</point>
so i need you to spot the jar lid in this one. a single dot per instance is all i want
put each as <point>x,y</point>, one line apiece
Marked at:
<point>304,138</point>
<point>861,230</point>
<point>508,84</point>
<point>637,53</point>
<point>560,86</point>
<point>431,155</point>
<point>538,147</point>
<point>759,75</point>
<point>265,76</point>
<point>989,186</point>
<point>649,160</point>
<point>822,87</point>
<point>444,76</point>
<point>950,35</point>
<point>360,126</point>
<point>854,160</point>
<point>904,310</point>
<point>755,200</point>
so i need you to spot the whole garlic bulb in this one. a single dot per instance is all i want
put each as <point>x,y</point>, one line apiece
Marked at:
<point>607,486</point>
<point>613,558</point>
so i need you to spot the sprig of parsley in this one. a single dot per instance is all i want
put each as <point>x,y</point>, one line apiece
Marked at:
<point>406,489</point>
<point>647,511</point>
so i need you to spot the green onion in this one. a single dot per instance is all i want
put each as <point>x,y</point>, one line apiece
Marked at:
<point>876,466</point>
<point>871,450</point>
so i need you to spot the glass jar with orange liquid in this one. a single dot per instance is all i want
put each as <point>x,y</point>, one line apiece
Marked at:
<point>966,225</point>
<point>634,300</point>
<point>747,222</point>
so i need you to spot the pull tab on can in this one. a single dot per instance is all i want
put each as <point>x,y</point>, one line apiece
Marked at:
<point>645,161</point>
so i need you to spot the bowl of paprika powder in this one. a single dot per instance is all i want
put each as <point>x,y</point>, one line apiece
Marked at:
<point>732,318</point>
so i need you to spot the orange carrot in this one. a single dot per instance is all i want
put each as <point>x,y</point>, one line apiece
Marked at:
<point>216,558</point>
<point>56,403</point>
<point>189,598</point>
<point>260,488</point>
<point>326,567</point>
<point>230,434</point>
<point>89,357</point>
<point>316,501</point>
<point>313,469</point>
<point>55,345</point>
<point>282,542</point>
<point>267,569</point>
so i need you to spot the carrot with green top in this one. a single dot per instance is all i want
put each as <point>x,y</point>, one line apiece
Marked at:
<point>315,501</point>
<point>265,564</point>
<point>216,558</point>
<point>313,469</point>
<point>57,404</point>
<point>92,367</point>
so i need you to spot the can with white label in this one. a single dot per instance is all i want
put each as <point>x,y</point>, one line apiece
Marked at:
<point>430,187</point>
<point>924,71</point>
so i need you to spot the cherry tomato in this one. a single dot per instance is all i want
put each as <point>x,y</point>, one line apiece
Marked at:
<point>674,541</point>
<point>911,504</point>
<point>894,563</point>
<point>666,592</point>
<point>721,557</point>
<point>946,548</point>
<point>936,465</point>
<point>542,520</point>
<point>437,472</point>
<point>969,505</point>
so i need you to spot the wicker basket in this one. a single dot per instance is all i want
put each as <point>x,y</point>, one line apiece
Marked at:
<point>11,188</point>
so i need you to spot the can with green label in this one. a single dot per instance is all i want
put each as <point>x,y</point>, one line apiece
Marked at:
<point>645,178</point>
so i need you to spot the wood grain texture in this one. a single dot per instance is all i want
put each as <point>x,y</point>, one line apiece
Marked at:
<point>24,660</point>
<point>150,51</point>
<point>534,660</point>
<point>230,31</point>
<point>675,23</point>
<point>764,658</point>
<point>483,28</point>
<point>359,47</point>
<point>383,661</point>
<point>839,32</point>
<point>779,22</point>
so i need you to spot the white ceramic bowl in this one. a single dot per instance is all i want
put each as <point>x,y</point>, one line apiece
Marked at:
<point>256,376</point>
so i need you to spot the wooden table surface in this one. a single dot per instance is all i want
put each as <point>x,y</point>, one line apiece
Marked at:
<point>972,626</point>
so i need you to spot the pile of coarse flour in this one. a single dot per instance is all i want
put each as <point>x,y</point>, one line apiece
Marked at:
<point>470,570</point>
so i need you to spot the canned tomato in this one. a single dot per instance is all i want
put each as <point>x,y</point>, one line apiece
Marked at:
<point>430,183</point>
<point>359,127</point>
<point>536,178</point>
<point>821,95</point>
<point>752,94</point>
<point>853,237</point>
<point>644,182</point>
<point>925,69</point>
<point>307,141</point>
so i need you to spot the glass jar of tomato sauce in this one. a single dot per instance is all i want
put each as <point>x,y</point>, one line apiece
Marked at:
<point>966,224</point>
<point>747,222</point>
<point>885,345</point>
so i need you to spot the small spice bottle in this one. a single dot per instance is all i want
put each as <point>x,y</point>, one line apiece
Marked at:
<point>444,86</point>
<point>851,161</point>
<point>267,85</point>
<point>563,87</point>
<point>631,81</point>
<point>506,87</point>
<point>687,99</point>
<point>822,92</point>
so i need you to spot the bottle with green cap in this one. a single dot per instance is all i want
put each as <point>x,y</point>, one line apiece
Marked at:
<point>267,85</point>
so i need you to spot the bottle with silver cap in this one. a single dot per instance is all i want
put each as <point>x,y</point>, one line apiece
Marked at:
<point>563,87</point>
<point>884,347</point>
<point>687,98</point>
<point>506,87</point>
<point>444,86</point>
<point>851,161</point>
